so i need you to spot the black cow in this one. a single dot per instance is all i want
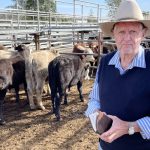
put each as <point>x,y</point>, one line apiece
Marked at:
<point>64,72</point>
<point>18,78</point>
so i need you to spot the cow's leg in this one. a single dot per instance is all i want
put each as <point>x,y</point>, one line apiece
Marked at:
<point>17,93</point>
<point>2,96</point>
<point>39,90</point>
<point>79,87</point>
<point>58,100</point>
<point>26,92</point>
<point>62,90</point>
<point>53,89</point>
<point>29,79</point>
<point>57,108</point>
<point>30,93</point>
<point>53,97</point>
<point>65,96</point>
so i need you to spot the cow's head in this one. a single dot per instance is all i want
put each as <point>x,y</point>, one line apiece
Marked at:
<point>90,57</point>
<point>23,50</point>
<point>81,48</point>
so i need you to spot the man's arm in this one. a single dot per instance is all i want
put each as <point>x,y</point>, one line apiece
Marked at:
<point>144,125</point>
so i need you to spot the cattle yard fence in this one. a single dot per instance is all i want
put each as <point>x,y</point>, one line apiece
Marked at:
<point>49,29</point>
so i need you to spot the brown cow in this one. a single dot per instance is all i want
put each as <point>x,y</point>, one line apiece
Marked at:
<point>6,76</point>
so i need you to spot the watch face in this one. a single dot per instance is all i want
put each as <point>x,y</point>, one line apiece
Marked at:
<point>131,130</point>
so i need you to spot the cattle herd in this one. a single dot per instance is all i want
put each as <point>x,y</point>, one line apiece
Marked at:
<point>34,68</point>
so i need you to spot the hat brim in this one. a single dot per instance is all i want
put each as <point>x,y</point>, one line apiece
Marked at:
<point>106,27</point>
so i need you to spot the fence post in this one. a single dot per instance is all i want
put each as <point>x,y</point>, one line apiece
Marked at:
<point>100,48</point>
<point>82,13</point>
<point>38,15</point>
<point>98,13</point>
<point>18,18</point>
<point>73,25</point>
<point>49,39</point>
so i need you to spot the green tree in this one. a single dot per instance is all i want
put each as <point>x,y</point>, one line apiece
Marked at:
<point>44,5</point>
<point>112,5</point>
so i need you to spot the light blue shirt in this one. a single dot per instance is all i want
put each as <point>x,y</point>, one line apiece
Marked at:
<point>94,97</point>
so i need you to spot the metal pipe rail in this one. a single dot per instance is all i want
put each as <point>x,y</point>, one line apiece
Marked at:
<point>29,21</point>
<point>67,53</point>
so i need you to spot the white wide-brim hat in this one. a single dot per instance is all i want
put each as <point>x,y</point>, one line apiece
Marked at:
<point>128,11</point>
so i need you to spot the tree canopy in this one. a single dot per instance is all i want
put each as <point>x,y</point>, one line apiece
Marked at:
<point>44,5</point>
<point>112,5</point>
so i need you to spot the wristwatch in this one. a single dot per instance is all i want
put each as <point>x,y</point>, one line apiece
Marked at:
<point>131,130</point>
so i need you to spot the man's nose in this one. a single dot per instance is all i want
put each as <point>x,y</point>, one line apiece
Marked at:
<point>127,36</point>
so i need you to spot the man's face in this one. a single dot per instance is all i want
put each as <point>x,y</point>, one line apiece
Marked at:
<point>128,36</point>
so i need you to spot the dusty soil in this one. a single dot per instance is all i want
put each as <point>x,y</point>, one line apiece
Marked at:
<point>38,130</point>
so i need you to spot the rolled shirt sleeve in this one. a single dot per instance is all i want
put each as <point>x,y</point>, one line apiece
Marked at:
<point>144,124</point>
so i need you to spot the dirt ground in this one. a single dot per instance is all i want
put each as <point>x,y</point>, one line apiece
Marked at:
<point>38,130</point>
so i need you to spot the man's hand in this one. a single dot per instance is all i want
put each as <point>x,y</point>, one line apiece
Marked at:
<point>119,128</point>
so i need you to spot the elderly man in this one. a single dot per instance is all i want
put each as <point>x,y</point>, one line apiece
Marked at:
<point>122,84</point>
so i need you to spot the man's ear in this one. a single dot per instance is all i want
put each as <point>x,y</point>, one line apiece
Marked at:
<point>144,32</point>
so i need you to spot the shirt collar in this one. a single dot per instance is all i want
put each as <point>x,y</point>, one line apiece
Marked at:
<point>138,61</point>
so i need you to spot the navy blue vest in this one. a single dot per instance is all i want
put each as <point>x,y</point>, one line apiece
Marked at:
<point>126,96</point>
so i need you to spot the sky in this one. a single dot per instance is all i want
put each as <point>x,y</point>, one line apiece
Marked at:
<point>144,4</point>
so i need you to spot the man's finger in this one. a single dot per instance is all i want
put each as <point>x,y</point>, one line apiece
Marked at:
<point>109,138</point>
<point>111,116</point>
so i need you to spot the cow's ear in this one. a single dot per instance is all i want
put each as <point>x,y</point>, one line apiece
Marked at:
<point>20,47</point>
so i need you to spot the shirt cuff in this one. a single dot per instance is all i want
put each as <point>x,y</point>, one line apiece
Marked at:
<point>92,108</point>
<point>144,124</point>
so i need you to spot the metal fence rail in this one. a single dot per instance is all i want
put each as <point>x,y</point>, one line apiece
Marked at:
<point>54,29</point>
<point>17,25</point>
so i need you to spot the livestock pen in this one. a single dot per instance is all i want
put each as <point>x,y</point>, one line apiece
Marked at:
<point>26,129</point>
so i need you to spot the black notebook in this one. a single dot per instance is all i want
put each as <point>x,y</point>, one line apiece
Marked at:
<point>100,122</point>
